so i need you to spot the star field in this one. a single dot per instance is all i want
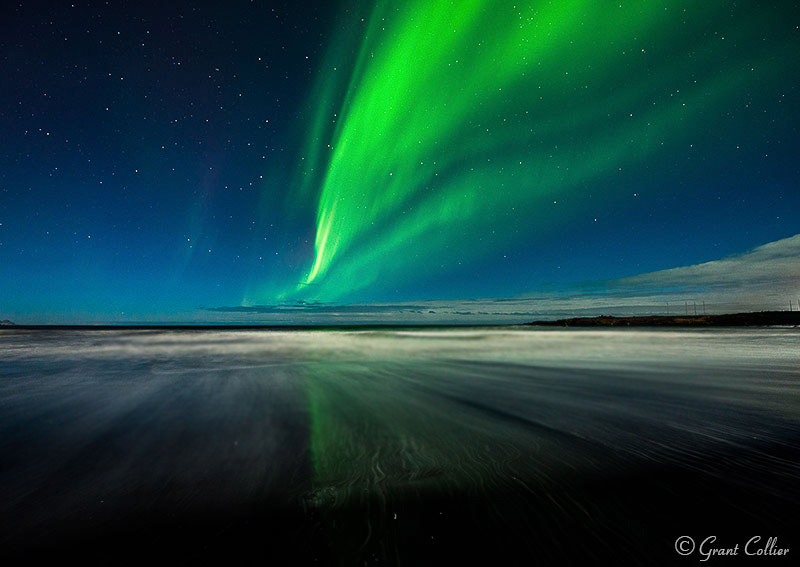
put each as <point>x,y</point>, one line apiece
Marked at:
<point>160,158</point>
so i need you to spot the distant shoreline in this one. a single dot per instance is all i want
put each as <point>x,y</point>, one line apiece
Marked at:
<point>758,319</point>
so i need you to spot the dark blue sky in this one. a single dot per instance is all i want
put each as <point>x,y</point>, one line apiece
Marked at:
<point>150,153</point>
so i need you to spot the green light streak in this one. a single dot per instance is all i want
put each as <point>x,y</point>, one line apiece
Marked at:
<point>460,121</point>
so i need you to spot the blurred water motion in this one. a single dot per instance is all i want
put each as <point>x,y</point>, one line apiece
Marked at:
<point>395,446</point>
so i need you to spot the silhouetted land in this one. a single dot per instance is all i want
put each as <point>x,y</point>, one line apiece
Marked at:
<point>760,318</point>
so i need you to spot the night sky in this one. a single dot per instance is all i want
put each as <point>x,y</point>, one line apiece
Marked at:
<point>159,159</point>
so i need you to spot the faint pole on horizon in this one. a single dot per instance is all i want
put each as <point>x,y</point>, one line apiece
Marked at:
<point>695,308</point>
<point>667,308</point>
<point>704,307</point>
<point>686,307</point>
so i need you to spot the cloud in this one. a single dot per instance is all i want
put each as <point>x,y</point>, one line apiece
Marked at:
<point>773,266</point>
<point>765,278</point>
<point>325,308</point>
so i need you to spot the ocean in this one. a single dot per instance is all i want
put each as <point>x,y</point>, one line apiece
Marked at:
<point>398,446</point>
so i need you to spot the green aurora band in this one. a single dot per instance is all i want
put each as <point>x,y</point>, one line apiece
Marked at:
<point>459,124</point>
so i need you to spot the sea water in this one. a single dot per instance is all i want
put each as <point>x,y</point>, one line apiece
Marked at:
<point>394,446</point>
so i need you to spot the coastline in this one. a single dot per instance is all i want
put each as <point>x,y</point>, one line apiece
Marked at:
<point>757,319</point>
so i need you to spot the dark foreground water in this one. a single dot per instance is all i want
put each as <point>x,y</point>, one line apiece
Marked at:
<point>397,447</point>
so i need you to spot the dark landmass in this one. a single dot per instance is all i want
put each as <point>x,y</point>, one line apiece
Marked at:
<point>761,318</point>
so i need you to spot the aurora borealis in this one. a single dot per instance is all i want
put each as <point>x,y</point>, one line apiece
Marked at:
<point>468,121</point>
<point>398,282</point>
<point>156,163</point>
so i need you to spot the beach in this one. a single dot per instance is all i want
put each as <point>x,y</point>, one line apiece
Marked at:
<point>396,446</point>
